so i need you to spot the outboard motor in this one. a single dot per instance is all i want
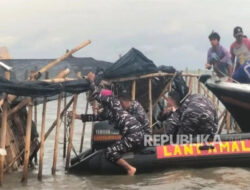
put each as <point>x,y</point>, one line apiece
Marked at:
<point>104,135</point>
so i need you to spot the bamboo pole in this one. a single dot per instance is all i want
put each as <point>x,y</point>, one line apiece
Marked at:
<point>222,124</point>
<point>58,123</point>
<point>190,84</point>
<point>228,122</point>
<point>71,132</point>
<point>95,112</point>
<point>159,74</point>
<point>83,127</point>
<point>57,80</point>
<point>40,171</point>
<point>166,88</point>
<point>150,102</point>
<point>35,120</point>
<point>7,75</point>
<point>35,112</point>
<point>199,84</point>
<point>4,130</point>
<point>186,78</point>
<point>3,137</point>
<point>63,73</point>
<point>61,115</point>
<point>37,147</point>
<point>65,127</point>
<point>37,75</point>
<point>55,62</point>
<point>133,89</point>
<point>222,115</point>
<point>27,143</point>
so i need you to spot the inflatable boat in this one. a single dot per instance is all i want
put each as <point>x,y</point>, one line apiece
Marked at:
<point>232,150</point>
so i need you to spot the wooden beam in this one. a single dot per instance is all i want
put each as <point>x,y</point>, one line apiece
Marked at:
<point>37,147</point>
<point>3,137</point>
<point>71,132</point>
<point>133,89</point>
<point>166,88</point>
<point>222,125</point>
<point>150,109</point>
<point>159,74</point>
<point>58,124</point>
<point>63,73</point>
<point>55,62</point>
<point>65,127</point>
<point>4,130</point>
<point>27,143</point>
<point>84,125</point>
<point>40,170</point>
<point>228,122</point>
<point>198,82</point>
<point>190,85</point>
<point>61,115</point>
<point>57,80</point>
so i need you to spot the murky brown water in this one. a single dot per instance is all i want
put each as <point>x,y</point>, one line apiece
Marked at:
<point>206,179</point>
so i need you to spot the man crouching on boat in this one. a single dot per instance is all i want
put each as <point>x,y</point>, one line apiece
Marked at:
<point>131,130</point>
<point>133,107</point>
<point>196,115</point>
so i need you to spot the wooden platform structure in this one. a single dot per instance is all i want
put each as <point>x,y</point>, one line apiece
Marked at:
<point>17,146</point>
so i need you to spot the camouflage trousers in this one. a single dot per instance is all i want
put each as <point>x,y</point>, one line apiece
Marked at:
<point>128,143</point>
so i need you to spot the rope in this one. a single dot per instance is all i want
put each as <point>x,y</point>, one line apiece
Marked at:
<point>68,122</point>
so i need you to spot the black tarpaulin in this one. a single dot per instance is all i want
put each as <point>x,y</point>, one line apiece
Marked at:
<point>42,89</point>
<point>133,63</point>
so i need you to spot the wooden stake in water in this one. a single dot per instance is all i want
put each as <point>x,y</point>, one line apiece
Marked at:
<point>3,137</point>
<point>65,127</point>
<point>40,171</point>
<point>228,122</point>
<point>27,142</point>
<point>83,127</point>
<point>150,109</point>
<point>58,123</point>
<point>71,132</point>
<point>35,120</point>
<point>199,84</point>
<point>4,130</point>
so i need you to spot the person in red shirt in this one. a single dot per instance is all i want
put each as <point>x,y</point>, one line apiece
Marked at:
<point>240,52</point>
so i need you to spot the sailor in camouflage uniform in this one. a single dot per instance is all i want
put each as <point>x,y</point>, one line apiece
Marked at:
<point>131,130</point>
<point>134,108</point>
<point>196,115</point>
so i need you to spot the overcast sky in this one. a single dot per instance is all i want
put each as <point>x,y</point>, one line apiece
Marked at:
<point>170,32</point>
